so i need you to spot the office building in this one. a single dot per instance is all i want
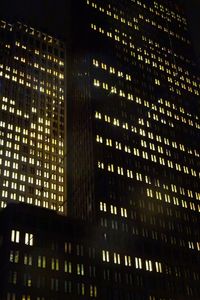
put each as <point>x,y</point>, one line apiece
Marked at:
<point>31,117</point>
<point>134,144</point>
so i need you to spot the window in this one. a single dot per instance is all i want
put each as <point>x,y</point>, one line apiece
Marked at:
<point>158,267</point>
<point>103,206</point>
<point>80,269</point>
<point>67,267</point>
<point>28,259</point>
<point>116,258</point>
<point>105,255</point>
<point>29,239</point>
<point>55,264</point>
<point>148,265</point>
<point>138,263</point>
<point>68,247</point>
<point>14,256</point>
<point>11,296</point>
<point>54,284</point>
<point>124,212</point>
<point>67,286</point>
<point>93,291</point>
<point>27,280</point>
<point>15,236</point>
<point>41,261</point>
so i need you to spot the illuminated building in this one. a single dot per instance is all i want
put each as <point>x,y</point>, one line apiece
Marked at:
<point>31,117</point>
<point>134,144</point>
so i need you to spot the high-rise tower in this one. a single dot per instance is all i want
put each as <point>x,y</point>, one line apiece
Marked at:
<point>134,84</point>
<point>134,95</point>
<point>31,117</point>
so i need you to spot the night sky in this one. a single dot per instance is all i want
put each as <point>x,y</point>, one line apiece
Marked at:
<point>50,16</point>
<point>46,15</point>
<point>193,13</point>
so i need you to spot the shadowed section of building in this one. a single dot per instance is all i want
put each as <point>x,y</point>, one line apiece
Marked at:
<point>49,257</point>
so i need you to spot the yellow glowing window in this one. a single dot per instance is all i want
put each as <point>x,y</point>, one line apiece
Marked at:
<point>138,263</point>
<point>15,236</point>
<point>105,256</point>
<point>103,206</point>
<point>95,63</point>
<point>29,239</point>
<point>116,258</point>
<point>96,82</point>
<point>68,267</point>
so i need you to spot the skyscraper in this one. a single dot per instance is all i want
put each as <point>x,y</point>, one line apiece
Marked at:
<point>134,92</point>
<point>31,117</point>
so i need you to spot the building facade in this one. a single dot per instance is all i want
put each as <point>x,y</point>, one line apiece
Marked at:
<point>42,261</point>
<point>31,117</point>
<point>134,143</point>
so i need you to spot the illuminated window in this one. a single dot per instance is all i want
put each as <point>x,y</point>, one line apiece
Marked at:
<point>100,165</point>
<point>116,258</point>
<point>93,291</point>
<point>127,260</point>
<point>105,256</point>
<point>113,209</point>
<point>148,265</point>
<point>138,263</point>
<point>68,267</point>
<point>14,256</point>
<point>55,264</point>
<point>80,269</point>
<point>96,82</point>
<point>29,239</point>
<point>28,259</point>
<point>103,206</point>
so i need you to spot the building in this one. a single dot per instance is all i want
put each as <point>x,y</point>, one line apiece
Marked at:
<point>134,143</point>
<point>133,161</point>
<point>42,261</point>
<point>31,117</point>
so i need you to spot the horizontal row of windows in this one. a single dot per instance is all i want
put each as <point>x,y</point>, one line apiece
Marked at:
<point>139,57</point>
<point>148,156</point>
<point>55,285</point>
<point>171,164</point>
<point>146,179</point>
<point>152,107</point>
<point>37,52</point>
<point>27,238</point>
<point>35,87</point>
<point>112,70</point>
<point>129,20</point>
<point>147,231</point>
<point>142,132</point>
<point>23,77</point>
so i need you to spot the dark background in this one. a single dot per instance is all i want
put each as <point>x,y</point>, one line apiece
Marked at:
<point>192,8</point>
<point>51,16</point>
